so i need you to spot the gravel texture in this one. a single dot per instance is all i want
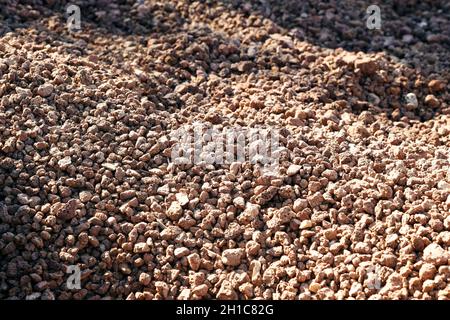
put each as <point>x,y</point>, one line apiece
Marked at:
<point>359,208</point>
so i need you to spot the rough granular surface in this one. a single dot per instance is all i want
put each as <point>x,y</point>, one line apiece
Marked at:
<point>359,205</point>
